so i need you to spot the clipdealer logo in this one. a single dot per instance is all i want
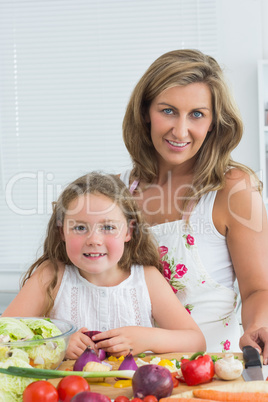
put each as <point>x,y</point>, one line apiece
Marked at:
<point>44,192</point>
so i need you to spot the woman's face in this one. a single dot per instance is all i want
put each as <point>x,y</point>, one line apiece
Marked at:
<point>180,119</point>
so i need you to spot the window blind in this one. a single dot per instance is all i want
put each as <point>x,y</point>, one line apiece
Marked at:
<point>67,69</point>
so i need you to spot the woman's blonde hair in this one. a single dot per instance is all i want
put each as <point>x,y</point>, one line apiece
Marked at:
<point>141,249</point>
<point>180,68</point>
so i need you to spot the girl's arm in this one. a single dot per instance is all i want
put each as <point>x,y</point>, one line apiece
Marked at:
<point>240,214</point>
<point>177,330</point>
<point>31,302</point>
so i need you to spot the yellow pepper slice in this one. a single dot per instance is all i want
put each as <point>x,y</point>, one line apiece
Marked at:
<point>123,383</point>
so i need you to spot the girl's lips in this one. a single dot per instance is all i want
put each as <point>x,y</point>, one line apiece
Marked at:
<point>177,145</point>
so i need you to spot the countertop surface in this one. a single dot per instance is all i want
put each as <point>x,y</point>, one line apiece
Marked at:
<point>108,388</point>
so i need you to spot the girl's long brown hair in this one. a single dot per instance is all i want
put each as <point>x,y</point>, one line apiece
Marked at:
<point>141,249</point>
<point>180,68</point>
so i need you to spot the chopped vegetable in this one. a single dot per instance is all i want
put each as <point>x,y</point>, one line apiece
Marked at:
<point>101,354</point>
<point>47,374</point>
<point>87,356</point>
<point>12,387</point>
<point>95,366</point>
<point>128,364</point>
<point>199,369</point>
<point>168,364</point>
<point>123,383</point>
<point>41,354</point>
<point>141,355</point>
<point>228,368</point>
<point>224,396</point>
<point>88,396</point>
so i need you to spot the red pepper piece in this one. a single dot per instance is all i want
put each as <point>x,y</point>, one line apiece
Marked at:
<point>199,369</point>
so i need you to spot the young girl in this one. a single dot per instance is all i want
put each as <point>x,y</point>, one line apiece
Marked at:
<point>98,270</point>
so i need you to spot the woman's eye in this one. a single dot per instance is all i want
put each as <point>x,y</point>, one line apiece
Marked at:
<point>197,114</point>
<point>168,111</point>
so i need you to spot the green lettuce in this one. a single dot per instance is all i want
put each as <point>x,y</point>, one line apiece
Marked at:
<point>12,387</point>
<point>46,354</point>
<point>15,329</point>
<point>42,327</point>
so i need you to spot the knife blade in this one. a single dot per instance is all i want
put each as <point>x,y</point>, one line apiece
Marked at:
<point>253,366</point>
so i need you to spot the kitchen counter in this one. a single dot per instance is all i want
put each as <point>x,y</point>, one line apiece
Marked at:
<point>108,388</point>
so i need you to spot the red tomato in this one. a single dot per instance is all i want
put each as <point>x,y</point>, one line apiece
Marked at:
<point>41,391</point>
<point>175,379</point>
<point>150,398</point>
<point>70,386</point>
<point>121,398</point>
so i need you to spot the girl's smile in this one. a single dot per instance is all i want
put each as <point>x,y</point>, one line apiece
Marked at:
<point>180,119</point>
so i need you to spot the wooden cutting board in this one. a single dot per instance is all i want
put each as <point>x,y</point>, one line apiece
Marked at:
<point>113,392</point>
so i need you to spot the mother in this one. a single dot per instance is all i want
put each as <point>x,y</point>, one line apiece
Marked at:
<point>205,210</point>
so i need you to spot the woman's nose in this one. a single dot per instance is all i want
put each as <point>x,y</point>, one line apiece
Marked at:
<point>180,128</point>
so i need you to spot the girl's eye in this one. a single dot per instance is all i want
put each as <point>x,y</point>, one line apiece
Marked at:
<point>197,114</point>
<point>80,229</point>
<point>168,111</point>
<point>108,228</point>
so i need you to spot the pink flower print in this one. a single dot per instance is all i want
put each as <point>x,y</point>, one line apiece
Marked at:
<point>226,345</point>
<point>180,271</point>
<point>166,270</point>
<point>189,308</point>
<point>174,290</point>
<point>190,240</point>
<point>162,251</point>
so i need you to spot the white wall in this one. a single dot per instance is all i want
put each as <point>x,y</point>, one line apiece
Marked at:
<point>240,34</point>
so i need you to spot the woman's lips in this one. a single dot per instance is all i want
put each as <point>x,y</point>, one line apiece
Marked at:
<point>177,145</point>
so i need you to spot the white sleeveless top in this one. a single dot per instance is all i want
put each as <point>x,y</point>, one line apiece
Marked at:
<point>198,267</point>
<point>102,308</point>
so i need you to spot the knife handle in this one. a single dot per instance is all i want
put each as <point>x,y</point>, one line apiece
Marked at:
<point>251,357</point>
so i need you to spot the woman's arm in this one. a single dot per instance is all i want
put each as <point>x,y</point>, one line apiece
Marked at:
<point>240,213</point>
<point>177,330</point>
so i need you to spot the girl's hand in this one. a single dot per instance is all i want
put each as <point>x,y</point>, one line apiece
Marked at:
<point>120,341</point>
<point>78,343</point>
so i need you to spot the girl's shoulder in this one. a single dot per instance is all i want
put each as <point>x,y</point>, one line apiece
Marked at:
<point>45,273</point>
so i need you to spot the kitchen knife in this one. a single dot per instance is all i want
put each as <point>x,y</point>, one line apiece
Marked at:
<point>253,366</point>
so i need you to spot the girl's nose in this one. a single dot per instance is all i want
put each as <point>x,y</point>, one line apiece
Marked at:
<point>94,238</point>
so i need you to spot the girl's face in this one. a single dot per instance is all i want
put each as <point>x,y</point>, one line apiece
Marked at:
<point>95,231</point>
<point>180,118</point>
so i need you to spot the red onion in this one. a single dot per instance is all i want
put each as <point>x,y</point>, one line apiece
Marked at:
<point>88,396</point>
<point>101,354</point>
<point>128,364</point>
<point>87,356</point>
<point>152,379</point>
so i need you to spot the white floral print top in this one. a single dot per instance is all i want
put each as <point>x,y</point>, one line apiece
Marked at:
<point>211,304</point>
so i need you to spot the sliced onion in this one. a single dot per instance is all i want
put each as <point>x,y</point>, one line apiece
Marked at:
<point>101,354</point>
<point>87,356</point>
<point>128,364</point>
<point>88,396</point>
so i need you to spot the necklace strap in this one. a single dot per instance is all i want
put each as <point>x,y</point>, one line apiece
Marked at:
<point>133,186</point>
